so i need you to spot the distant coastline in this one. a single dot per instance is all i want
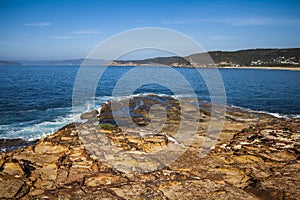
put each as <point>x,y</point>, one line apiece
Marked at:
<point>219,67</point>
<point>8,63</point>
<point>250,58</point>
<point>284,59</point>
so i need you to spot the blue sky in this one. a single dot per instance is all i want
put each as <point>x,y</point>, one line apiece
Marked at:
<point>62,29</point>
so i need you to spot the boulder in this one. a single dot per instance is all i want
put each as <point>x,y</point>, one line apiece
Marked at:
<point>89,115</point>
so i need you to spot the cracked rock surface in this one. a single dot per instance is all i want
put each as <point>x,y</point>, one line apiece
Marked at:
<point>256,157</point>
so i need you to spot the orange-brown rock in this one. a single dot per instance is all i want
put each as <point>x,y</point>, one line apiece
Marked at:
<point>256,157</point>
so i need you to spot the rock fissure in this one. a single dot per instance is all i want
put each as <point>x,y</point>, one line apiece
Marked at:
<point>253,159</point>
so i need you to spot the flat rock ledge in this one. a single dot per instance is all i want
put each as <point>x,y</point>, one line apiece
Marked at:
<point>256,157</point>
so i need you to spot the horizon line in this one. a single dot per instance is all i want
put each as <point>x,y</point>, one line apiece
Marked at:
<point>65,59</point>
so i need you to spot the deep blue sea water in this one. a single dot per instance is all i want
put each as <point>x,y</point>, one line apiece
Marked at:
<point>37,100</point>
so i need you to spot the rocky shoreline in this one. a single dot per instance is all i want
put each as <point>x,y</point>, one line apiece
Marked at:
<point>12,144</point>
<point>256,157</point>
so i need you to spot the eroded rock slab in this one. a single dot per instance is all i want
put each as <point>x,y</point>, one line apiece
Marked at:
<point>256,157</point>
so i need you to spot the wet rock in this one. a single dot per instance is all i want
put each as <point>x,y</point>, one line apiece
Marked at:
<point>12,144</point>
<point>89,115</point>
<point>106,116</point>
<point>139,110</point>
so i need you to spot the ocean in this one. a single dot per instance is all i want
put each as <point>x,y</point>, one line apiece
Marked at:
<point>37,100</point>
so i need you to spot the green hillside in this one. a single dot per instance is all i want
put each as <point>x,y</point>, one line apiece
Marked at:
<point>250,57</point>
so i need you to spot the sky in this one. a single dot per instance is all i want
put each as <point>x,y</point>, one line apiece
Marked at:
<point>70,29</point>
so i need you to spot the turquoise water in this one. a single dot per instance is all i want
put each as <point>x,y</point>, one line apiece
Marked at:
<point>37,100</point>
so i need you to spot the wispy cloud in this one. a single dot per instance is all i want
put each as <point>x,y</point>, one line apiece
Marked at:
<point>76,34</point>
<point>250,21</point>
<point>246,21</point>
<point>87,32</point>
<point>181,21</point>
<point>38,24</point>
<point>229,21</point>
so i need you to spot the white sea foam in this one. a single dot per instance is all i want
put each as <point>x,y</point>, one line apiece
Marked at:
<point>277,115</point>
<point>103,99</point>
<point>36,131</point>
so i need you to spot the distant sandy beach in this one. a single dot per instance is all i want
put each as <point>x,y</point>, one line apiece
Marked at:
<point>264,67</point>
